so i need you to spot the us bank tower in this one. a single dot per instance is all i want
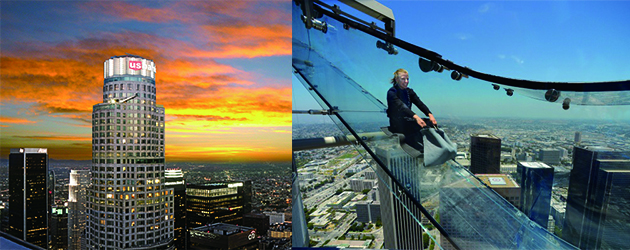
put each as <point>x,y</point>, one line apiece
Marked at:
<point>128,204</point>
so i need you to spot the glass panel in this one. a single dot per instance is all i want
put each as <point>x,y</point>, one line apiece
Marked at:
<point>349,73</point>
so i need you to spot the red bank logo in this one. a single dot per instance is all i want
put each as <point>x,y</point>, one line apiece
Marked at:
<point>137,65</point>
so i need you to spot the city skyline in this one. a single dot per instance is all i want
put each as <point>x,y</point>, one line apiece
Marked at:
<point>219,74</point>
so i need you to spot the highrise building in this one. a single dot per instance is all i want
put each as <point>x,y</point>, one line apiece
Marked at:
<point>77,192</point>
<point>504,185</point>
<point>59,228</point>
<point>536,181</point>
<point>175,179</point>
<point>219,202</point>
<point>550,156</point>
<point>400,229</point>
<point>598,200</point>
<point>578,138</point>
<point>29,203</point>
<point>485,154</point>
<point>128,204</point>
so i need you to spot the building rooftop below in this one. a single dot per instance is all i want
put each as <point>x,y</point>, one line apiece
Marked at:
<point>534,164</point>
<point>497,180</point>
<point>223,229</point>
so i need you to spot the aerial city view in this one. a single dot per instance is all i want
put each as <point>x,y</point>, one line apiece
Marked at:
<point>535,104</point>
<point>148,125</point>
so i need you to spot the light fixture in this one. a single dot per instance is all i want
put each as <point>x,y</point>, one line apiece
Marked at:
<point>552,95</point>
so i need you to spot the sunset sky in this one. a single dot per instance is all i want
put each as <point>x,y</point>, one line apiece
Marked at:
<point>223,74</point>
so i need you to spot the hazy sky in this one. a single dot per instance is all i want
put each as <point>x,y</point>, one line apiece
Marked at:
<point>222,74</point>
<point>575,41</point>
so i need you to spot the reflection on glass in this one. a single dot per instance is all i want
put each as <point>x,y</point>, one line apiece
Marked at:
<point>345,70</point>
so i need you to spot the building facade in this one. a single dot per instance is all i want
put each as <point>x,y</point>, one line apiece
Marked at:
<point>220,202</point>
<point>550,156</point>
<point>175,180</point>
<point>128,204</point>
<point>401,229</point>
<point>536,181</point>
<point>598,201</point>
<point>29,201</point>
<point>59,228</point>
<point>223,236</point>
<point>77,192</point>
<point>485,154</point>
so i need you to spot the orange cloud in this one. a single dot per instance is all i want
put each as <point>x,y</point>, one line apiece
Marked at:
<point>13,120</point>
<point>204,97</point>
<point>246,41</point>
<point>56,138</point>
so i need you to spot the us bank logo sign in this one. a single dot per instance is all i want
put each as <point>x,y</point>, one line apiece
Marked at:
<point>137,65</point>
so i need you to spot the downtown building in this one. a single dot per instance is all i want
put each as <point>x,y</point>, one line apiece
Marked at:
<point>128,204</point>
<point>598,202</point>
<point>218,202</point>
<point>485,154</point>
<point>175,180</point>
<point>401,229</point>
<point>30,195</point>
<point>77,192</point>
<point>536,181</point>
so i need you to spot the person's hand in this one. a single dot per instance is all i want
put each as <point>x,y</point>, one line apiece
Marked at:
<point>432,119</point>
<point>419,121</point>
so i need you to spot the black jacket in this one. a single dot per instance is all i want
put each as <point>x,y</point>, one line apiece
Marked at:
<point>398,112</point>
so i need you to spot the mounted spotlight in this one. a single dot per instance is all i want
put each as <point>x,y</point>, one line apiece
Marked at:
<point>387,47</point>
<point>509,92</point>
<point>552,95</point>
<point>438,67</point>
<point>455,75</point>
<point>317,24</point>
<point>566,103</point>
<point>496,86</point>
<point>425,65</point>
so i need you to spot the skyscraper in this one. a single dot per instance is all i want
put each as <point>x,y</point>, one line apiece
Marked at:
<point>485,154</point>
<point>219,202</point>
<point>598,201</point>
<point>550,156</point>
<point>578,138</point>
<point>128,204</point>
<point>174,178</point>
<point>59,228</point>
<point>536,180</point>
<point>29,199</point>
<point>400,229</point>
<point>77,191</point>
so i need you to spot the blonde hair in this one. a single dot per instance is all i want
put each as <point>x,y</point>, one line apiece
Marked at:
<point>398,72</point>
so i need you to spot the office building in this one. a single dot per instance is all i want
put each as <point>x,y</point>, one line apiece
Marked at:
<point>258,221</point>
<point>550,156</point>
<point>368,211</point>
<point>578,138</point>
<point>485,154</point>
<point>598,201</point>
<point>370,175</point>
<point>358,185</point>
<point>77,192</point>
<point>222,236</point>
<point>219,202</point>
<point>536,181</point>
<point>275,217</point>
<point>400,228</point>
<point>128,204</point>
<point>174,178</point>
<point>59,228</point>
<point>29,202</point>
<point>504,185</point>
